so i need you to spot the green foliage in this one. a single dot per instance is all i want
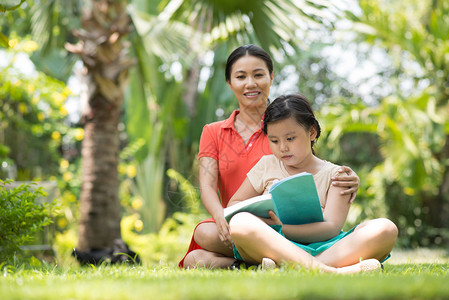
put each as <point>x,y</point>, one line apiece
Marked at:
<point>412,123</point>
<point>416,32</point>
<point>4,42</point>
<point>407,132</point>
<point>50,24</point>
<point>400,138</point>
<point>152,115</point>
<point>271,24</point>
<point>10,5</point>
<point>165,247</point>
<point>21,216</point>
<point>168,245</point>
<point>35,136</point>
<point>192,195</point>
<point>4,6</point>
<point>32,115</point>
<point>63,245</point>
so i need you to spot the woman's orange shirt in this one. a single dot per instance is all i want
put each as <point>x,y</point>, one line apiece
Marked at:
<point>222,142</point>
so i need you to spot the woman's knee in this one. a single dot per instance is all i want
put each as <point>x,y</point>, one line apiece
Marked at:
<point>206,234</point>
<point>196,258</point>
<point>191,259</point>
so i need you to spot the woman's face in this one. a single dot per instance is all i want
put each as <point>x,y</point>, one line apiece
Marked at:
<point>250,81</point>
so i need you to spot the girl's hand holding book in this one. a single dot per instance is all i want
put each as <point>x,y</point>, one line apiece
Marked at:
<point>273,220</point>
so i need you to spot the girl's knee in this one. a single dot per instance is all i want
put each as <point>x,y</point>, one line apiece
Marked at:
<point>384,229</point>
<point>387,227</point>
<point>242,224</point>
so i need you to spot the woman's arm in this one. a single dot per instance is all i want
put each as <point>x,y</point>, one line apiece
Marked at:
<point>335,213</point>
<point>347,178</point>
<point>245,191</point>
<point>208,179</point>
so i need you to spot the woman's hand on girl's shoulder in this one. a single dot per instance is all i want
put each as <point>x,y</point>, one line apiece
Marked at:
<point>346,177</point>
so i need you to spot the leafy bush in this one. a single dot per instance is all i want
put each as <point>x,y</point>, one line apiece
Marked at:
<point>21,216</point>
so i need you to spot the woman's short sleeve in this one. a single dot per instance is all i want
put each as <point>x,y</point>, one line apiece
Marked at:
<point>208,144</point>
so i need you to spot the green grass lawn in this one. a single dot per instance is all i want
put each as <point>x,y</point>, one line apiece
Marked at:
<point>401,281</point>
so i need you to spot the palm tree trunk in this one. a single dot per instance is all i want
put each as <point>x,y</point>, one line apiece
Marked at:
<point>106,65</point>
<point>100,205</point>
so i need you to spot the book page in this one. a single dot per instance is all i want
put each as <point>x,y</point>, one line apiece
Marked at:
<point>258,206</point>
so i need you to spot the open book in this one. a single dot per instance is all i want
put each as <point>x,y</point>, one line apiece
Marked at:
<point>293,199</point>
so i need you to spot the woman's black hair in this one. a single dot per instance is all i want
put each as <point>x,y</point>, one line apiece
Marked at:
<point>293,105</point>
<point>244,50</point>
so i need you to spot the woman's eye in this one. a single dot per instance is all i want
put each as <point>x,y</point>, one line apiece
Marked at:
<point>241,77</point>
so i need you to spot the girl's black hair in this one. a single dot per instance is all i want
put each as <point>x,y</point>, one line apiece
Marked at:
<point>293,105</point>
<point>244,50</point>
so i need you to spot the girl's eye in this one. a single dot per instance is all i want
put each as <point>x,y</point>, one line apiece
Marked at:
<point>259,75</point>
<point>240,77</point>
<point>291,138</point>
<point>274,141</point>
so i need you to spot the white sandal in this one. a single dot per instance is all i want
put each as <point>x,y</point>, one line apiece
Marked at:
<point>268,264</point>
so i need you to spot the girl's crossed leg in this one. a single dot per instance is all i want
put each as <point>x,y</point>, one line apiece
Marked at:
<point>254,240</point>
<point>371,239</point>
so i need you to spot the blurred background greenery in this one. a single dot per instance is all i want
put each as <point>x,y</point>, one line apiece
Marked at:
<point>376,72</point>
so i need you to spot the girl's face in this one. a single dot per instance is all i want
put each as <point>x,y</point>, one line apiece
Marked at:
<point>250,81</point>
<point>291,143</point>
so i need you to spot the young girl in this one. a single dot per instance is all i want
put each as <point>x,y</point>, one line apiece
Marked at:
<point>292,131</point>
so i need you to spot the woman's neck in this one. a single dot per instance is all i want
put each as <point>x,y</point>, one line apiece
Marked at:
<point>251,117</point>
<point>247,122</point>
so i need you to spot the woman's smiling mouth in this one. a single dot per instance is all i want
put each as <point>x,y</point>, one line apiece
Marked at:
<point>251,94</point>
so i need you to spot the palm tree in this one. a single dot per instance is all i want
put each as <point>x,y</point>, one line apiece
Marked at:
<point>106,65</point>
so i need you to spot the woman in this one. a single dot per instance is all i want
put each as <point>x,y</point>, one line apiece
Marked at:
<point>229,149</point>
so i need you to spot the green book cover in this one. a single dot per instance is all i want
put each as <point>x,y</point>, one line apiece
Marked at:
<point>294,200</point>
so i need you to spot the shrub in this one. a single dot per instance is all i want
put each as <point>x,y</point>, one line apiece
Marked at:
<point>21,216</point>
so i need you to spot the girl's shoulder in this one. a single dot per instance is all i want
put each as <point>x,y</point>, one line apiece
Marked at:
<point>267,164</point>
<point>328,169</point>
<point>268,160</point>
